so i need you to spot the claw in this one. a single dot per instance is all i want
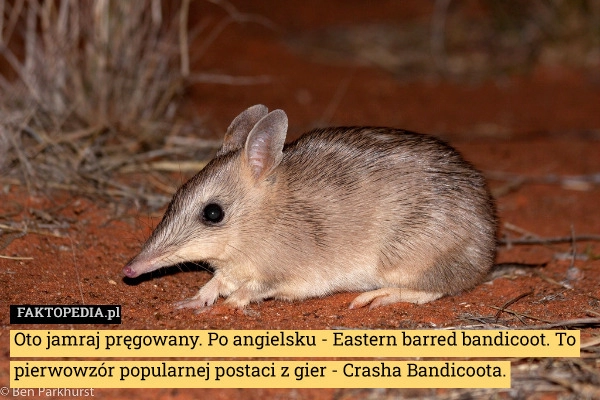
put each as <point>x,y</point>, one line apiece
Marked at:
<point>193,302</point>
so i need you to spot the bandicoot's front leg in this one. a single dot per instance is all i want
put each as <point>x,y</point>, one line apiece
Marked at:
<point>239,295</point>
<point>206,296</point>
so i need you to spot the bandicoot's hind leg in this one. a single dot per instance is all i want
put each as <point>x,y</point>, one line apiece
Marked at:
<point>389,295</point>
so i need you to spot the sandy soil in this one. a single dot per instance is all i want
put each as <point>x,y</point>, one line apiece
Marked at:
<point>544,123</point>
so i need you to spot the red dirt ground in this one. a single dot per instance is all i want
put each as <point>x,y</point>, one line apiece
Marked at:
<point>545,122</point>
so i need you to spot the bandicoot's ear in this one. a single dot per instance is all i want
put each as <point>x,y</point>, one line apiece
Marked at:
<point>240,127</point>
<point>264,146</point>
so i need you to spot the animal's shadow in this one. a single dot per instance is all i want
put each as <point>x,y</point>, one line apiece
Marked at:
<point>166,271</point>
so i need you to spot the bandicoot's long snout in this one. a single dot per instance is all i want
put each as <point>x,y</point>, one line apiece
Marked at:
<point>137,267</point>
<point>143,264</point>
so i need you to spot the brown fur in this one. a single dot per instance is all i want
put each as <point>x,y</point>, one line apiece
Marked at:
<point>398,215</point>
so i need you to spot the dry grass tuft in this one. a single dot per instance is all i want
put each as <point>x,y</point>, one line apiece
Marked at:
<point>86,84</point>
<point>92,63</point>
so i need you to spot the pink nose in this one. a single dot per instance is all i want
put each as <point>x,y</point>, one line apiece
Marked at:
<point>130,272</point>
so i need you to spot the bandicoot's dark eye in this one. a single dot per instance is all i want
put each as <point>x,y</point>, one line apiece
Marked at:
<point>212,213</point>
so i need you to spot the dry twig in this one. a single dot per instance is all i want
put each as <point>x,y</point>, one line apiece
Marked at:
<point>26,230</point>
<point>510,302</point>
<point>518,315</point>
<point>549,240</point>
<point>15,258</point>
